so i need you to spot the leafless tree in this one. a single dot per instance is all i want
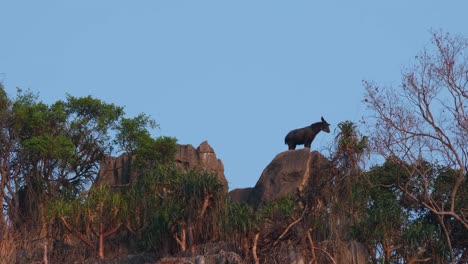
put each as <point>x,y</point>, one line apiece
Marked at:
<point>425,120</point>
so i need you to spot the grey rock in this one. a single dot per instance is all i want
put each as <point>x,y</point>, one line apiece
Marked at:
<point>288,173</point>
<point>201,158</point>
<point>240,195</point>
<point>117,171</point>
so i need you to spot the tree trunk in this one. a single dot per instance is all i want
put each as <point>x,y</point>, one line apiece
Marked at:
<point>447,237</point>
<point>191,239</point>
<point>182,240</point>
<point>3,225</point>
<point>245,246</point>
<point>312,248</point>
<point>45,258</point>
<point>254,248</point>
<point>3,182</point>
<point>101,240</point>
<point>77,234</point>
<point>388,249</point>
<point>44,235</point>
<point>415,258</point>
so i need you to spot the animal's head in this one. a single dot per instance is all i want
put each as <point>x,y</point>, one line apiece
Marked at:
<point>325,126</point>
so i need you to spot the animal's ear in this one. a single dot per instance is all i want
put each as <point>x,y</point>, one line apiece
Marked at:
<point>323,120</point>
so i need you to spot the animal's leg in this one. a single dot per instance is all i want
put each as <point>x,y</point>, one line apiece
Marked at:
<point>307,144</point>
<point>292,146</point>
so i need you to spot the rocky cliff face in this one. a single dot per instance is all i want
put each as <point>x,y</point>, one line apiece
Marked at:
<point>289,172</point>
<point>116,171</point>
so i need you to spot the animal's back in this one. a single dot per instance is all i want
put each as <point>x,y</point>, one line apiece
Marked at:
<point>295,134</point>
<point>289,135</point>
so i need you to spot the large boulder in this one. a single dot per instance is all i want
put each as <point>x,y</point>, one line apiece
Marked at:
<point>117,172</point>
<point>241,194</point>
<point>288,173</point>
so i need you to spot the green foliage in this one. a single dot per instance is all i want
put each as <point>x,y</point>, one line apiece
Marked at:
<point>153,152</point>
<point>65,208</point>
<point>134,138</point>
<point>102,205</point>
<point>194,185</point>
<point>94,218</point>
<point>383,219</point>
<point>418,232</point>
<point>54,151</point>
<point>397,222</point>
<point>166,200</point>
<point>446,178</point>
<point>105,205</point>
<point>147,199</point>
<point>47,146</point>
<point>31,118</point>
<point>351,147</point>
<point>278,210</point>
<point>187,199</point>
<point>240,220</point>
<point>88,110</point>
<point>132,133</point>
<point>4,101</point>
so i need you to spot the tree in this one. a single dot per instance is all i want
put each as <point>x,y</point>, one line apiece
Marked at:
<point>240,226</point>
<point>133,133</point>
<point>260,232</point>
<point>347,204</point>
<point>6,157</point>
<point>57,149</point>
<point>395,228</point>
<point>53,151</point>
<point>195,200</point>
<point>351,147</point>
<point>425,120</point>
<point>172,209</point>
<point>95,218</point>
<point>150,212</point>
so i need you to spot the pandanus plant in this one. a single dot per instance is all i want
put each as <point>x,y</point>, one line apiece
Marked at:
<point>93,218</point>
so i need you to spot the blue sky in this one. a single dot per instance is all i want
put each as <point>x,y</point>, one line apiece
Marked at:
<point>239,74</point>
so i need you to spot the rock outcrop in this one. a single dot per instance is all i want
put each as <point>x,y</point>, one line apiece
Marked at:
<point>209,253</point>
<point>202,158</point>
<point>288,172</point>
<point>220,258</point>
<point>351,252</point>
<point>116,171</point>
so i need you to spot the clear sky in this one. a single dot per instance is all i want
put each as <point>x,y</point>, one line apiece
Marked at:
<point>239,74</point>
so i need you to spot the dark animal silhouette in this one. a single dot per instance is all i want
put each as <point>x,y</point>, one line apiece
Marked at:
<point>305,135</point>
